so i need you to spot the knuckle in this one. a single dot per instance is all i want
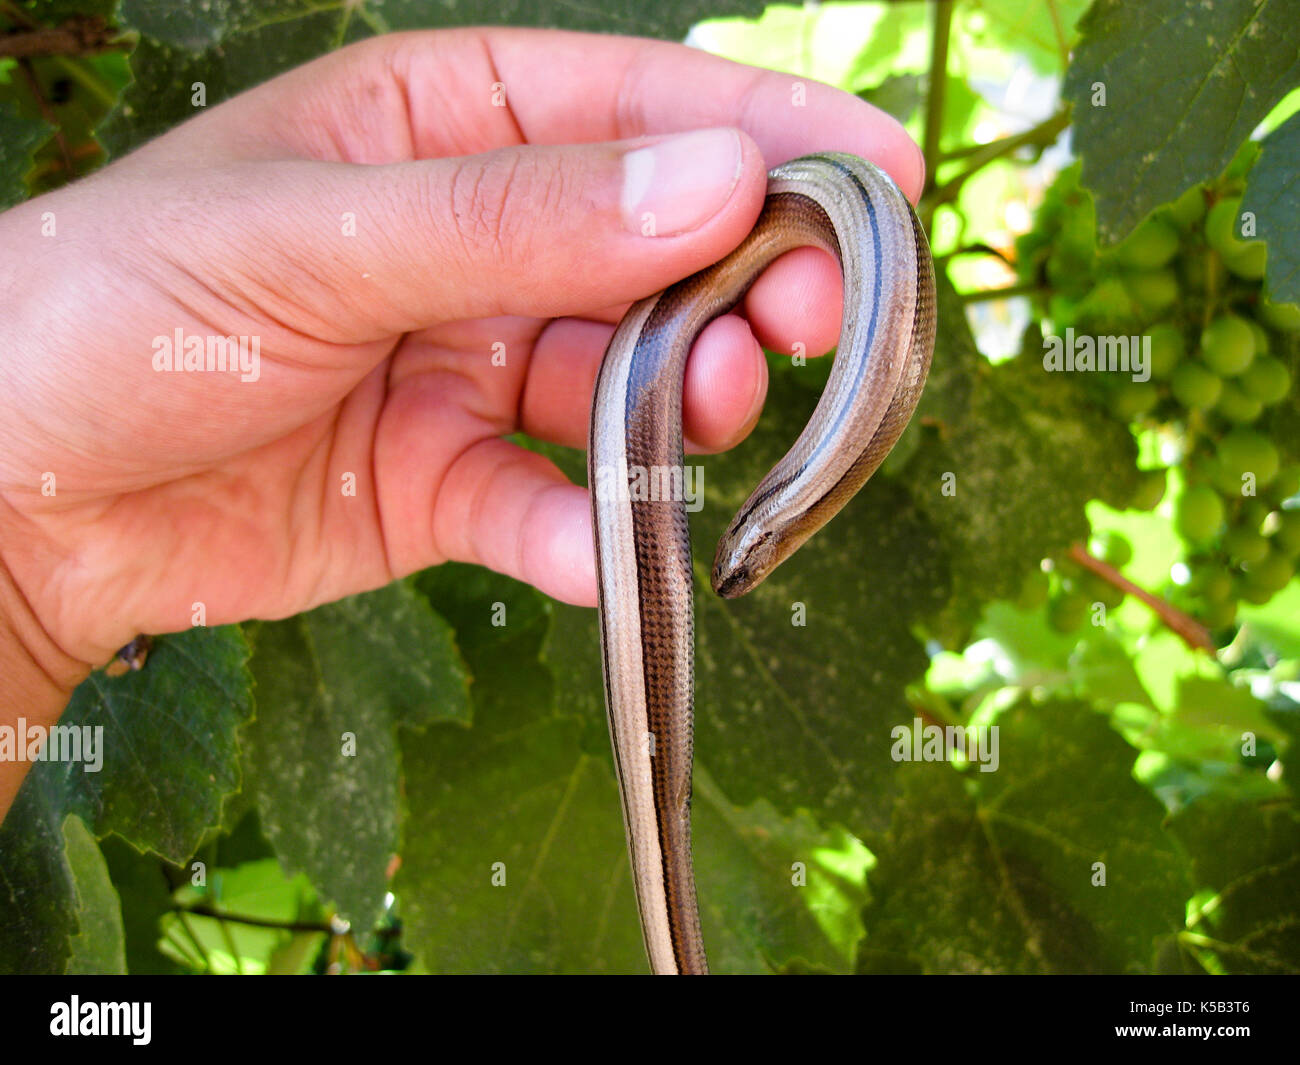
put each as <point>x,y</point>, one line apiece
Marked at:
<point>495,206</point>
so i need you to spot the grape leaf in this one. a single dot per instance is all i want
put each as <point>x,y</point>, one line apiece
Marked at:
<point>37,890</point>
<point>1273,194</point>
<point>98,948</point>
<point>521,788</point>
<point>1005,859</point>
<point>181,711</point>
<point>169,756</point>
<point>1006,473</point>
<point>146,896</point>
<point>774,890</point>
<point>1184,85</point>
<point>1248,854</point>
<point>996,32</point>
<point>531,786</point>
<point>356,668</point>
<point>19,138</point>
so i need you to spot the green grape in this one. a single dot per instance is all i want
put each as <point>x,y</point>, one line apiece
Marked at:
<point>1112,548</point>
<point>1150,490</point>
<point>1285,484</point>
<point>1245,545</point>
<point>1254,593</point>
<point>1154,291</point>
<point>1212,583</point>
<point>1235,405</point>
<point>1067,611</point>
<point>1261,337</point>
<point>1194,270</point>
<point>1152,244</point>
<point>1267,379</point>
<point>1133,398</point>
<point>1245,451</point>
<point>1221,226</point>
<point>1228,345</point>
<point>1249,263</point>
<point>1219,615</point>
<point>1287,534</point>
<point>1033,592</point>
<point>1284,317</point>
<point>1271,573</point>
<point>1109,302</point>
<point>1100,591</point>
<point>1166,347</point>
<point>1252,514</point>
<point>1194,386</point>
<point>1198,515</point>
<point>1189,208</point>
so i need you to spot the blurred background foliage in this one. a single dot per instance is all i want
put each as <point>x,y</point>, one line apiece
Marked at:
<point>1111,583</point>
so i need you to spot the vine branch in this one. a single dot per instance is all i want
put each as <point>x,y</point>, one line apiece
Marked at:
<point>935,94</point>
<point>1041,135</point>
<point>76,35</point>
<point>255,922</point>
<point>1186,627</point>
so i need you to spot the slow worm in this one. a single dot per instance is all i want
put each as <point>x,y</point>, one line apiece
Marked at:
<point>854,211</point>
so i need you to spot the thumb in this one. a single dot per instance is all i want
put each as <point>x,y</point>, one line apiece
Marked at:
<point>527,230</point>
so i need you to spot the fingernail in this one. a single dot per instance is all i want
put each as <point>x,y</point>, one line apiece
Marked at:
<point>681,182</point>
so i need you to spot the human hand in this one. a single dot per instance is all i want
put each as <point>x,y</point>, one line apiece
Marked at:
<point>479,230</point>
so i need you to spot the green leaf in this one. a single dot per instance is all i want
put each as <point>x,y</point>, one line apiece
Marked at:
<point>37,890</point>
<point>1273,194</point>
<point>994,872</point>
<point>146,895</point>
<point>774,890</point>
<point>1012,461</point>
<point>169,756</point>
<point>532,787</point>
<point>1185,84</point>
<point>332,687</point>
<point>225,47</point>
<point>668,20</point>
<point>99,947</point>
<point>170,750</point>
<point>1248,855</point>
<point>1222,713</point>
<point>521,798</point>
<point>995,32</point>
<point>19,138</point>
<point>524,769</point>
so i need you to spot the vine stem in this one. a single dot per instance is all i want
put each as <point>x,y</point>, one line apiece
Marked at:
<point>1062,44</point>
<point>1027,288</point>
<point>256,922</point>
<point>935,94</point>
<point>1041,135</point>
<point>77,35</point>
<point>1186,627</point>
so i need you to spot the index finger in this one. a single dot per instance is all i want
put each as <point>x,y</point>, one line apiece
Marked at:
<point>426,94</point>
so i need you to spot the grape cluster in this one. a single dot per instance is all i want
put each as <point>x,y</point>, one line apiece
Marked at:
<point>1188,281</point>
